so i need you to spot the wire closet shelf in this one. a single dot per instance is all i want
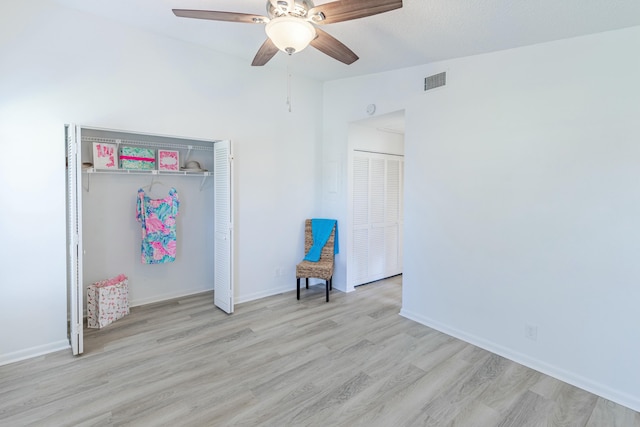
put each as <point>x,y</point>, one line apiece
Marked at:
<point>155,144</point>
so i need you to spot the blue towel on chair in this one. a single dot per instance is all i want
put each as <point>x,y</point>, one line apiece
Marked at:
<point>321,230</point>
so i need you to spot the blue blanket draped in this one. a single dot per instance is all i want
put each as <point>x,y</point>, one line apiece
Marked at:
<point>321,230</point>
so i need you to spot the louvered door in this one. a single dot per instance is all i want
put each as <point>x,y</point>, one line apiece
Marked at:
<point>223,242</point>
<point>74,240</point>
<point>377,216</point>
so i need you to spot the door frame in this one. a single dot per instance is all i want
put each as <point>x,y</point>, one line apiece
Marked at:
<point>75,294</point>
<point>74,189</point>
<point>356,144</point>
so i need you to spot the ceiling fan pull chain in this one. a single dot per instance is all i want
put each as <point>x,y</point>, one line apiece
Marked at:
<point>288,88</point>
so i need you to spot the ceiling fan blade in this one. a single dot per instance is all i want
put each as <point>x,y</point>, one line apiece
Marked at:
<point>265,53</point>
<point>346,10</point>
<point>331,46</point>
<point>221,16</point>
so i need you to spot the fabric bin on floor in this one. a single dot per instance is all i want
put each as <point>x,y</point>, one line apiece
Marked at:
<point>107,301</point>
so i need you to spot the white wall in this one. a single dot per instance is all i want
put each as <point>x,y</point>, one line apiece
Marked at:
<point>521,201</point>
<point>366,138</point>
<point>60,66</point>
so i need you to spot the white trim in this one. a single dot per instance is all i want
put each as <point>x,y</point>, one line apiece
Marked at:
<point>169,296</point>
<point>267,293</point>
<point>276,291</point>
<point>32,352</point>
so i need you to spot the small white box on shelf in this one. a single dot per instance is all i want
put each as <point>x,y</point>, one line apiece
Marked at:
<point>168,160</point>
<point>104,155</point>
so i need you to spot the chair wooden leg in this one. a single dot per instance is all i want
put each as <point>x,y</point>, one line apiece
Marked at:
<point>307,279</point>
<point>298,286</point>
<point>327,286</point>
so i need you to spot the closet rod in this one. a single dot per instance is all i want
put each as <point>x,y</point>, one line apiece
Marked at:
<point>377,152</point>
<point>146,143</point>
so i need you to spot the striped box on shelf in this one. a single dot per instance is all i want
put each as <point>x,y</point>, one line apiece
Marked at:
<point>137,158</point>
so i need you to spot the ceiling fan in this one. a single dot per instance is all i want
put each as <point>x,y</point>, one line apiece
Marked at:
<point>291,25</point>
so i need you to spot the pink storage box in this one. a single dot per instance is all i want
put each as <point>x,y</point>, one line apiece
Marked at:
<point>107,301</point>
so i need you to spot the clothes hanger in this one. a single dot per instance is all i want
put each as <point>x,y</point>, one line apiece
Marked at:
<point>154,183</point>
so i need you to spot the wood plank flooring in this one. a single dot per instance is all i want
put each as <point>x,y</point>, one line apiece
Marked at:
<point>281,362</point>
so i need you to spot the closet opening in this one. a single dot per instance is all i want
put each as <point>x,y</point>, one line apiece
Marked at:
<point>375,199</point>
<point>156,209</point>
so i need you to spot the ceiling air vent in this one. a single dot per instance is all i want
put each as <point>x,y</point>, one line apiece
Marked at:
<point>434,81</point>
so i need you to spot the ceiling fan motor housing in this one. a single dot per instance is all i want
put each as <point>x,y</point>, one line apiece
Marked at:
<point>296,8</point>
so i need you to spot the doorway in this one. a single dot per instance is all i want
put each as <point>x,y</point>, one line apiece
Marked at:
<point>375,194</point>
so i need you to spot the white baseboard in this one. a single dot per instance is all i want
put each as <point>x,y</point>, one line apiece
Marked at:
<point>169,296</point>
<point>262,294</point>
<point>624,399</point>
<point>29,353</point>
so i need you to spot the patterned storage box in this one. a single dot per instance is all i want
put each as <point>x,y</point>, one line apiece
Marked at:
<point>107,301</point>
<point>168,160</point>
<point>104,155</point>
<point>137,158</point>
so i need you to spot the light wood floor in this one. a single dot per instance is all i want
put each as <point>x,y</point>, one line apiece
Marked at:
<point>279,362</point>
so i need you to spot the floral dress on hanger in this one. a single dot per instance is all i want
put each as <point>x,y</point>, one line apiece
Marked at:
<point>158,220</point>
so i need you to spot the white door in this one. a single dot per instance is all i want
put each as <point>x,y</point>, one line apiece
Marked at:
<point>377,216</point>
<point>223,226</point>
<point>74,238</point>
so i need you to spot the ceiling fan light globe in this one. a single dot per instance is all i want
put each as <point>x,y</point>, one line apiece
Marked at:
<point>290,34</point>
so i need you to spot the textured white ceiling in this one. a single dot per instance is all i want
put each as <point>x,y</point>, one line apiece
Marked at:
<point>422,31</point>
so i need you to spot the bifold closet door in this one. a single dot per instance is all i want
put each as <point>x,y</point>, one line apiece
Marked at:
<point>74,239</point>
<point>377,216</point>
<point>223,224</point>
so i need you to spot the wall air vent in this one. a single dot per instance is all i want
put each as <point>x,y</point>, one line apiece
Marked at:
<point>434,81</point>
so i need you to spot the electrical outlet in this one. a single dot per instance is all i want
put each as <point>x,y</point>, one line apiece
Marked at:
<point>531,332</point>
